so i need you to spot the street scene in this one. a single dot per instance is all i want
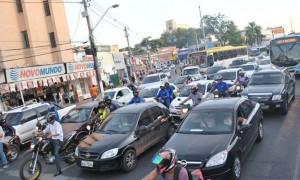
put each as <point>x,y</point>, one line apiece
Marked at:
<point>110,90</point>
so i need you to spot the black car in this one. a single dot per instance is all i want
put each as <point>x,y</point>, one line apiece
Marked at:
<point>217,136</point>
<point>272,88</point>
<point>237,63</point>
<point>212,71</point>
<point>126,134</point>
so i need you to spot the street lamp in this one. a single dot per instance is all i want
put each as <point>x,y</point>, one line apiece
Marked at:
<point>113,6</point>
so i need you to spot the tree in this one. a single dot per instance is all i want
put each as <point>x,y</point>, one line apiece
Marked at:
<point>180,37</point>
<point>253,34</point>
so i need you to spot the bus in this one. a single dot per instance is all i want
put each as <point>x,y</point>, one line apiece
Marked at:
<point>218,55</point>
<point>285,52</point>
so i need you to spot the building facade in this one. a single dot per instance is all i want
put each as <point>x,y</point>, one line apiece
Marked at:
<point>172,25</point>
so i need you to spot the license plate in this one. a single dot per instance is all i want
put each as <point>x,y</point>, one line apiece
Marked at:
<point>87,163</point>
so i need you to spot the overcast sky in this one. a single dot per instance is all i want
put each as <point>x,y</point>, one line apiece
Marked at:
<point>147,17</point>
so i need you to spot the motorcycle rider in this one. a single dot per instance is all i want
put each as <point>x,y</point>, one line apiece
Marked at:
<point>242,79</point>
<point>136,98</point>
<point>195,96</point>
<point>169,169</point>
<point>164,96</point>
<point>103,111</point>
<point>55,134</point>
<point>170,90</point>
<point>3,159</point>
<point>112,107</point>
<point>189,79</point>
<point>221,86</point>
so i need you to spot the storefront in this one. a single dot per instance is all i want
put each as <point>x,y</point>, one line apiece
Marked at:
<point>120,65</point>
<point>82,77</point>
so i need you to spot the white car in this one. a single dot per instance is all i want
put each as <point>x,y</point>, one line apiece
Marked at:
<point>24,119</point>
<point>266,64</point>
<point>154,79</point>
<point>122,94</point>
<point>204,87</point>
<point>229,75</point>
<point>193,71</point>
<point>149,93</point>
<point>249,69</point>
<point>172,66</point>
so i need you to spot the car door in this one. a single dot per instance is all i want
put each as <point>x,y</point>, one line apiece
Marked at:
<point>289,84</point>
<point>160,124</point>
<point>120,96</point>
<point>127,95</point>
<point>28,124</point>
<point>144,140</point>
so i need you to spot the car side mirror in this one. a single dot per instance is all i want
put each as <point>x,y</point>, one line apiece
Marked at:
<point>245,127</point>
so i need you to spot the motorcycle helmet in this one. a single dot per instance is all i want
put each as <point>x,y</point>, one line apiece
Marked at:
<point>107,100</point>
<point>2,121</point>
<point>241,73</point>
<point>165,160</point>
<point>51,117</point>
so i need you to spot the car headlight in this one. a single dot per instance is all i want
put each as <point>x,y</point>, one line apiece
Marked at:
<point>110,153</point>
<point>88,127</point>
<point>238,88</point>
<point>216,95</point>
<point>276,97</point>
<point>76,152</point>
<point>217,159</point>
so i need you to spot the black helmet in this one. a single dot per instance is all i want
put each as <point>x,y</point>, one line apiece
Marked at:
<point>2,121</point>
<point>51,117</point>
<point>165,164</point>
<point>107,99</point>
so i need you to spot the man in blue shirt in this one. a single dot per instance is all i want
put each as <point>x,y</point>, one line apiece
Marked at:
<point>170,90</point>
<point>136,98</point>
<point>221,86</point>
<point>163,96</point>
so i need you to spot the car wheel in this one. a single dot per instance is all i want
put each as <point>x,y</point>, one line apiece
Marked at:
<point>129,160</point>
<point>236,169</point>
<point>260,135</point>
<point>284,108</point>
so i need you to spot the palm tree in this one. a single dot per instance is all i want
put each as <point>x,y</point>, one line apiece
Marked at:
<point>253,33</point>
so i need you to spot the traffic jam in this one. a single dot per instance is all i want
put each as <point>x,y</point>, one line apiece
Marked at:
<point>220,105</point>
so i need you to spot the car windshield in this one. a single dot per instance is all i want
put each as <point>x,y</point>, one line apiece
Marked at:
<point>192,71</point>
<point>77,115</point>
<point>238,62</point>
<point>13,119</point>
<point>110,94</point>
<point>266,78</point>
<point>228,75</point>
<point>119,123</point>
<point>208,122</point>
<point>265,62</point>
<point>148,93</point>
<point>180,80</point>
<point>151,79</point>
<point>185,92</point>
<point>248,67</point>
<point>213,70</point>
<point>285,54</point>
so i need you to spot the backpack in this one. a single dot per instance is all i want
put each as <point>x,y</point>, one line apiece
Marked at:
<point>177,171</point>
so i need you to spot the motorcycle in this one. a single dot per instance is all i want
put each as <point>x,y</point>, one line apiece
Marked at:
<point>218,94</point>
<point>12,149</point>
<point>236,90</point>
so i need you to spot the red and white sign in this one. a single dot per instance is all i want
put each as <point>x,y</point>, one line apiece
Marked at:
<point>80,66</point>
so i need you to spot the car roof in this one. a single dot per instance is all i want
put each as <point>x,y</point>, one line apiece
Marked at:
<point>273,70</point>
<point>202,82</point>
<point>230,70</point>
<point>215,104</point>
<point>116,89</point>
<point>136,108</point>
<point>90,104</point>
<point>27,107</point>
<point>191,67</point>
<point>157,85</point>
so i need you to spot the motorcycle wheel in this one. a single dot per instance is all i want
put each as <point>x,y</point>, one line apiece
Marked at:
<point>70,153</point>
<point>13,152</point>
<point>26,170</point>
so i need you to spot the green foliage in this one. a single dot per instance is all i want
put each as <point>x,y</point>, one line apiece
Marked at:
<point>253,34</point>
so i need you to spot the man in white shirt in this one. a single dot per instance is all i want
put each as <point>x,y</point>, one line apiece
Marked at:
<point>55,133</point>
<point>3,160</point>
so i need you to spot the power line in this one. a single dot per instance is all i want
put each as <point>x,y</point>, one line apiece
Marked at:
<point>15,59</point>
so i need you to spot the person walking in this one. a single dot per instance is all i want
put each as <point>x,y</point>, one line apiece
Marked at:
<point>94,92</point>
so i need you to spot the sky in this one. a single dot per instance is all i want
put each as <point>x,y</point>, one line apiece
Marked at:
<point>147,17</point>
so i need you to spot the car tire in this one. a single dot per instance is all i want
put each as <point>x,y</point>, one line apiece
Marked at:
<point>129,160</point>
<point>236,169</point>
<point>260,134</point>
<point>285,107</point>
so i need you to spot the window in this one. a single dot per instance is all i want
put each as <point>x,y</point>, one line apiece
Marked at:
<point>120,94</point>
<point>43,110</point>
<point>29,116</point>
<point>156,112</point>
<point>52,39</point>
<point>19,6</point>
<point>77,115</point>
<point>120,123</point>
<point>25,39</point>
<point>125,92</point>
<point>46,8</point>
<point>245,109</point>
<point>82,84</point>
<point>145,119</point>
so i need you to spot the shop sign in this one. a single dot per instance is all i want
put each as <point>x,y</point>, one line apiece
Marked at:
<point>20,74</point>
<point>80,66</point>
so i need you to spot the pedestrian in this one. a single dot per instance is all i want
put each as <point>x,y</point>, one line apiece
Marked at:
<point>94,92</point>
<point>66,97</point>
<point>71,96</point>
<point>133,79</point>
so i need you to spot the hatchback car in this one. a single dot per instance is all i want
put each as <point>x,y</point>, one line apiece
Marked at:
<point>126,134</point>
<point>217,136</point>
<point>230,75</point>
<point>121,94</point>
<point>154,79</point>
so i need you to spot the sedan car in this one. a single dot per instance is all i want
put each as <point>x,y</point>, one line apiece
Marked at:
<point>217,136</point>
<point>237,62</point>
<point>211,71</point>
<point>249,69</point>
<point>126,134</point>
<point>272,88</point>
<point>122,94</point>
<point>154,79</point>
<point>230,75</point>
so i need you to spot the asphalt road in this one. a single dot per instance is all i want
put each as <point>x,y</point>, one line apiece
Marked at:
<point>277,157</point>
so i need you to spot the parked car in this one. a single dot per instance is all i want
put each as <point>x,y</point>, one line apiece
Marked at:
<point>249,69</point>
<point>272,88</point>
<point>122,94</point>
<point>24,119</point>
<point>211,71</point>
<point>237,63</point>
<point>204,87</point>
<point>230,75</point>
<point>154,79</point>
<point>180,81</point>
<point>125,135</point>
<point>149,93</point>
<point>214,139</point>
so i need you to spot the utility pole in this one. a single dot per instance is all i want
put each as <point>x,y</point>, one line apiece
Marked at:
<point>93,47</point>
<point>129,53</point>
<point>292,25</point>
<point>202,27</point>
